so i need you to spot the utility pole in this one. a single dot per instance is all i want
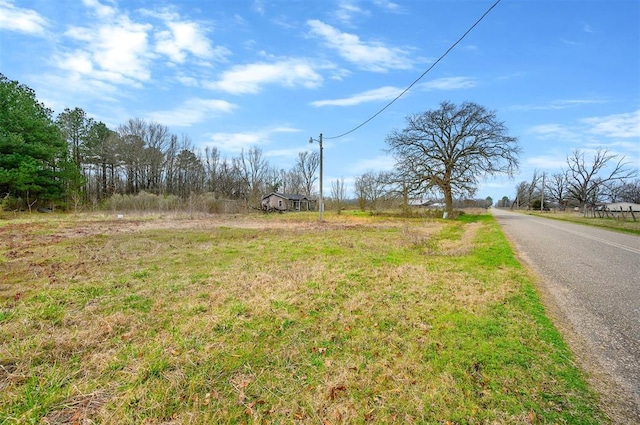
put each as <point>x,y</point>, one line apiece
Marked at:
<point>542,191</point>
<point>320,203</point>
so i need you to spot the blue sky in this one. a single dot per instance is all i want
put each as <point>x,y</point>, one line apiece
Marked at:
<point>270,74</point>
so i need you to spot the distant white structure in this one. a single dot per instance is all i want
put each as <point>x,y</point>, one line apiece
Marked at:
<point>622,206</point>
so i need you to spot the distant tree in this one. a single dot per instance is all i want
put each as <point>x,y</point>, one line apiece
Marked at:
<point>371,187</point>
<point>33,152</point>
<point>489,201</point>
<point>452,148</point>
<point>253,168</point>
<point>531,191</point>
<point>272,180</point>
<point>156,139</point>
<point>291,182</point>
<point>556,187</point>
<point>76,127</point>
<point>306,167</point>
<point>230,180</point>
<point>588,180</point>
<point>190,173</point>
<point>521,194</point>
<point>338,193</point>
<point>212,162</point>
<point>101,153</point>
<point>630,192</point>
<point>504,202</point>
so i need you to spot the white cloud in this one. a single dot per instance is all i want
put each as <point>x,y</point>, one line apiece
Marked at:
<point>27,21</point>
<point>449,83</point>
<point>249,78</point>
<point>347,9</point>
<point>183,37</point>
<point>546,162</point>
<point>118,51</point>
<point>372,56</point>
<point>235,142</point>
<point>556,104</point>
<point>553,131</point>
<point>80,88</point>
<point>618,132</point>
<point>288,153</point>
<point>191,111</point>
<point>382,93</point>
<point>100,9</point>
<point>625,125</point>
<point>180,39</point>
<point>389,93</point>
<point>185,80</point>
<point>388,5</point>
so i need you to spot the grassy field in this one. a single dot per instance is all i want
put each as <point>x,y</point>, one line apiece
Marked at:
<point>276,319</point>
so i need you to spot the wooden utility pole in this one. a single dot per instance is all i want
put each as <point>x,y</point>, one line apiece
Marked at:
<point>320,202</point>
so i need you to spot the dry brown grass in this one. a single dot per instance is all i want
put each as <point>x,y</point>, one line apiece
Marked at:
<point>273,319</point>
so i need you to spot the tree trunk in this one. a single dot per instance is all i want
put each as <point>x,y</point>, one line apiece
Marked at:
<point>448,202</point>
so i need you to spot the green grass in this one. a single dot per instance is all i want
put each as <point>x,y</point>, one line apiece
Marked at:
<point>278,319</point>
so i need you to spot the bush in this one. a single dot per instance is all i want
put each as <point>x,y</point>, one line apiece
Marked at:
<point>205,203</point>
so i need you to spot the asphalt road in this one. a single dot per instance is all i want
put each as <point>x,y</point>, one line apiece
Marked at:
<point>590,280</point>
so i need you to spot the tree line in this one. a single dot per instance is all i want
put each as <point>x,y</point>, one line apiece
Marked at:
<point>585,182</point>
<point>72,160</point>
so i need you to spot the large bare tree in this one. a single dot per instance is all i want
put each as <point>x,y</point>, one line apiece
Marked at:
<point>451,148</point>
<point>586,180</point>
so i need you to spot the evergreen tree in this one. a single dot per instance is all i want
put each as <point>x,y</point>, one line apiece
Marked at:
<point>33,152</point>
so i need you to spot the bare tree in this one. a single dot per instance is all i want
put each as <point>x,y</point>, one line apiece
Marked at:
<point>338,193</point>
<point>521,194</point>
<point>272,180</point>
<point>630,192</point>
<point>212,163</point>
<point>452,148</point>
<point>556,186</point>
<point>371,187</point>
<point>306,167</point>
<point>230,181</point>
<point>586,181</point>
<point>533,190</point>
<point>253,168</point>
<point>156,137</point>
<point>291,182</point>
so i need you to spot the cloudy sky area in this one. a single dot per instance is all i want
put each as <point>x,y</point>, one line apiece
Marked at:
<point>270,74</point>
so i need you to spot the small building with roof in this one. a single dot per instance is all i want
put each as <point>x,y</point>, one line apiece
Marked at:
<point>276,201</point>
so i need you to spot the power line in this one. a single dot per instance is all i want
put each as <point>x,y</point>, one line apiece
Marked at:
<point>420,77</point>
